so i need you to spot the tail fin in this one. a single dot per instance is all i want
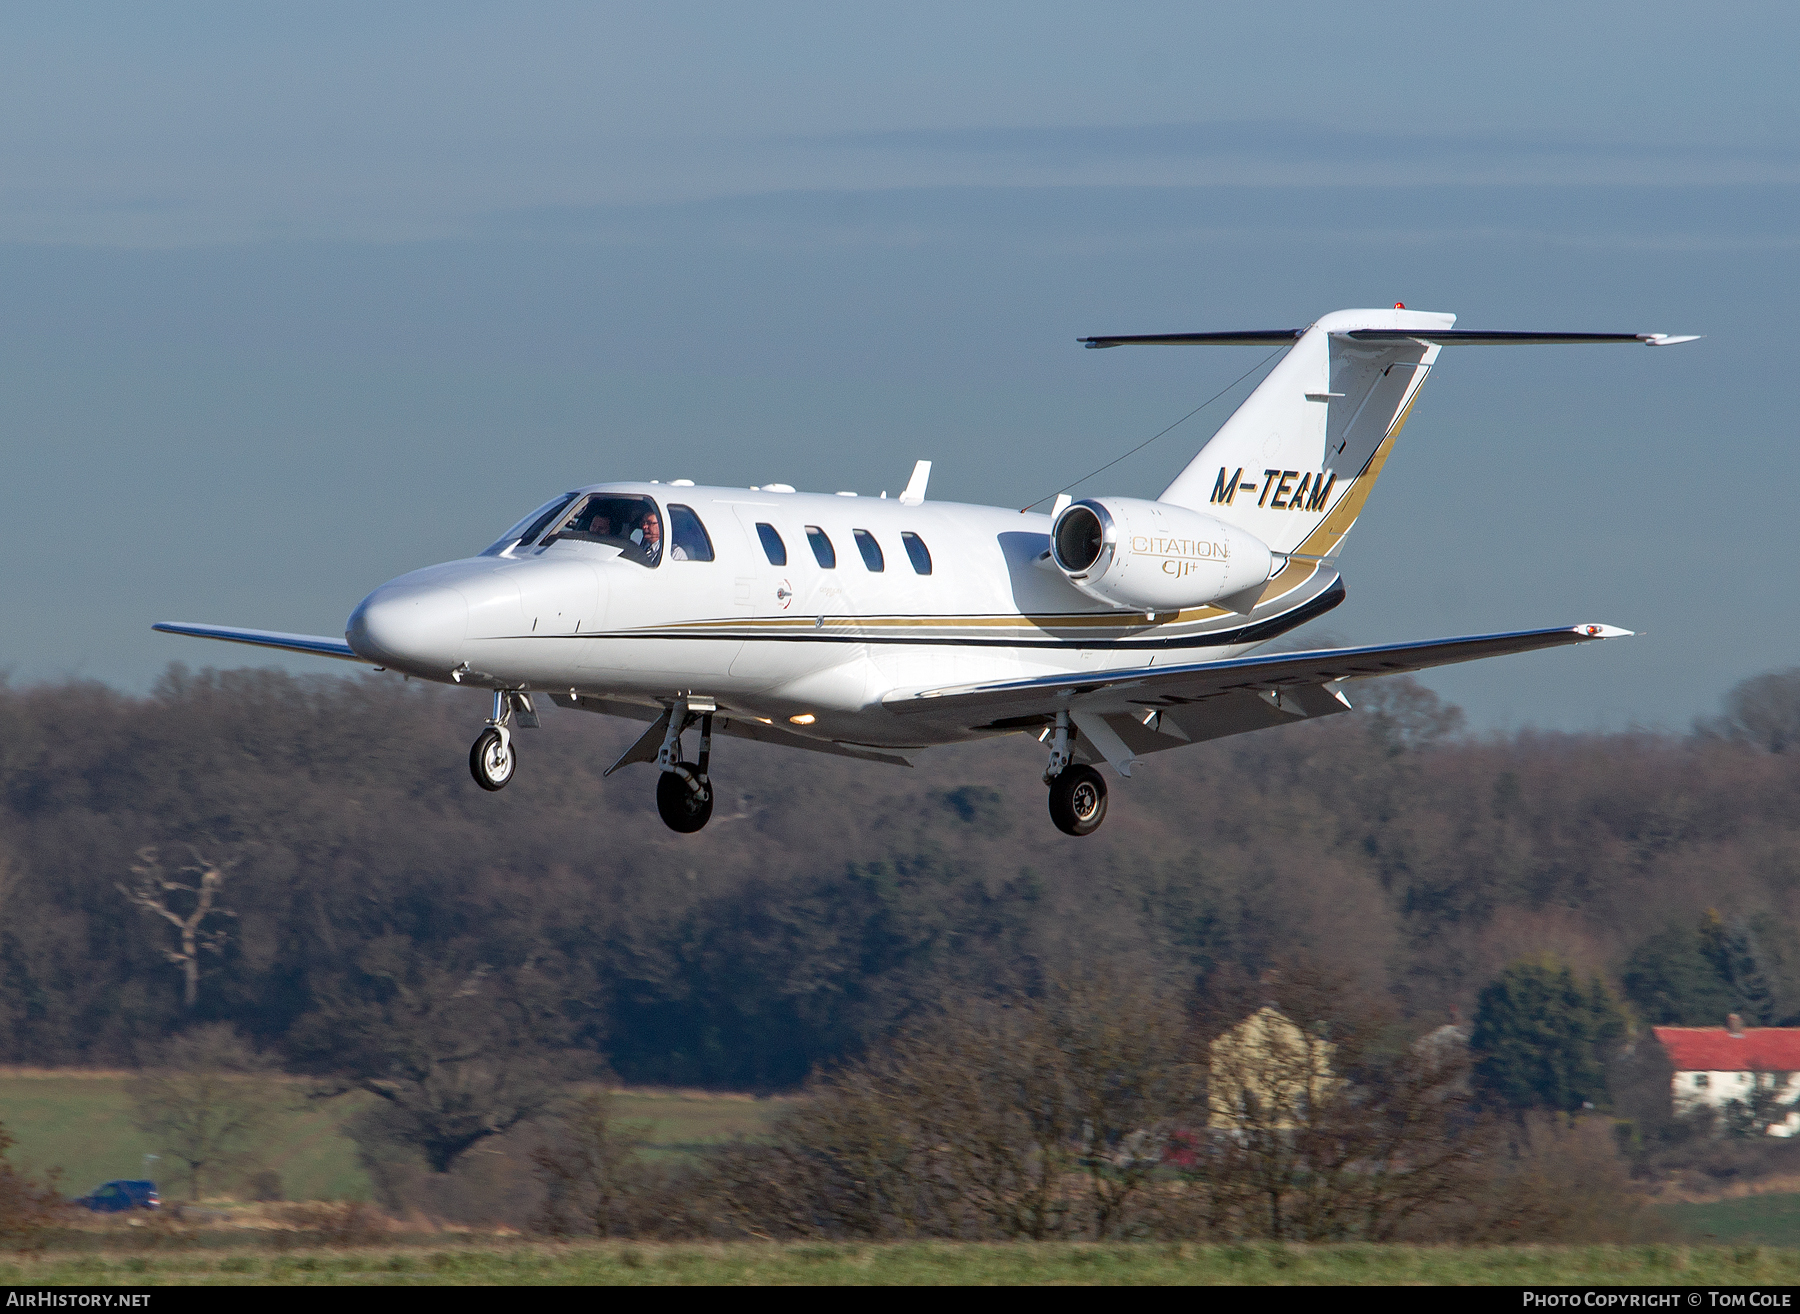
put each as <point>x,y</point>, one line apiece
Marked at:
<point>1295,463</point>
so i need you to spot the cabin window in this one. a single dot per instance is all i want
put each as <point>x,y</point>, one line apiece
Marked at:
<point>822,549</point>
<point>773,548</point>
<point>630,524</point>
<point>916,552</point>
<point>1702,1080</point>
<point>690,539</point>
<point>871,551</point>
<point>530,527</point>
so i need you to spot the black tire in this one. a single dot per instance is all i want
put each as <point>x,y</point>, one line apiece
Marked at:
<point>684,808</point>
<point>492,770</point>
<point>1078,800</point>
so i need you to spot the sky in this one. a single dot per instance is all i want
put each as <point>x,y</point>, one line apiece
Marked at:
<point>294,299</point>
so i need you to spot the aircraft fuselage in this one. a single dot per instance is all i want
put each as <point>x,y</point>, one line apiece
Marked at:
<point>915,597</point>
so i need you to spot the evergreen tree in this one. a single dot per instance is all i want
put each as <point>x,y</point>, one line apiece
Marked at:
<point>1735,950</point>
<point>1694,976</point>
<point>1541,1040</point>
<point>1678,977</point>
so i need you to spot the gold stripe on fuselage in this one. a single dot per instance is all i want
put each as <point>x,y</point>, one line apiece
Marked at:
<point>1193,622</point>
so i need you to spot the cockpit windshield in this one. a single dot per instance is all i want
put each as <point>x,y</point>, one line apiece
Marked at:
<point>631,524</point>
<point>528,528</point>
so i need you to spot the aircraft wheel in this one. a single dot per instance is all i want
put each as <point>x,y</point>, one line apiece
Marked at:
<point>1078,800</point>
<point>684,808</point>
<point>491,765</point>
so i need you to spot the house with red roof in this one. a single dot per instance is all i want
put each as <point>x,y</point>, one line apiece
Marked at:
<point>1717,1066</point>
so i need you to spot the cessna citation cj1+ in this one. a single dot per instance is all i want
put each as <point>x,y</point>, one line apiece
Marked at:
<point>1112,628</point>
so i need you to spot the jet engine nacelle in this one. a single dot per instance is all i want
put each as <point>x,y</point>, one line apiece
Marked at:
<point>1151,556</point>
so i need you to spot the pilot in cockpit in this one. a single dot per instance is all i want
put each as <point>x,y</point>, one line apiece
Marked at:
<point>648,537</point>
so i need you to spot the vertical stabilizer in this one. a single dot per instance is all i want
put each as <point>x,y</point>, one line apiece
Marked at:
<point>1295,462</point>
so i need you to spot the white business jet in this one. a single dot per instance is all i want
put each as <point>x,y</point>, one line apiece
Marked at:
<point>1112,628</point>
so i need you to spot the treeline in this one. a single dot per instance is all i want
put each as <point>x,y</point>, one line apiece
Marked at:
<point>363,891</point>
<point>1094,1107</point>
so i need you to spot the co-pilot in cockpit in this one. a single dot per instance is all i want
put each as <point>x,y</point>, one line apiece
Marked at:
<point>628,523</point>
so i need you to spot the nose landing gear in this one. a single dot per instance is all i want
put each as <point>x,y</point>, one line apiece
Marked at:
<point>684,794</point>
<point>493,759</point>
<point>1077,792</point>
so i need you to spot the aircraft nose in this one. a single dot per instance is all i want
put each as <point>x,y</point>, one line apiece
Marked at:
<point>413,627</point>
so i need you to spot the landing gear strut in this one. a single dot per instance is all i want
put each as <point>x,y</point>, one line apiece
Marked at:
<point>1077,792</point>
<point>493,759</point>
<point>684,795</point>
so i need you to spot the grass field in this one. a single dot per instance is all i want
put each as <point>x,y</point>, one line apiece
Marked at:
<point>1766,1220</point>
<point>80,1122</point>
<point>925,1263</point>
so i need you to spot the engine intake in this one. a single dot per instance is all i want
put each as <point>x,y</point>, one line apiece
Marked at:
<point>1152,556</point>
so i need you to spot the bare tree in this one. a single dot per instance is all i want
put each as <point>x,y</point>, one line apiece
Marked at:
<point>185,900</point>
<point>452,1057</point>
<point>1547,1177</point>
<point>1025,1118</point>
<point>1320,1129</point>
<point>956,1127</point>
<point>28,1206</point>
<point>1121,1050</point>
<point>206,1100</point>
<point>590,1169</point>
<point>1762,710</point>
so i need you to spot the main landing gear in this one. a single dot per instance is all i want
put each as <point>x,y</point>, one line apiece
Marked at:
<point>493,759</point>
<point>1077,791</point>
<point>684,794</point>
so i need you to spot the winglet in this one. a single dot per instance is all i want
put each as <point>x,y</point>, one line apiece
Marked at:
<point>915,487</point>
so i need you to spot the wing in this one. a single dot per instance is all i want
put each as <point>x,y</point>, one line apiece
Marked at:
<point>1124,714</point>
<point>316,644</point>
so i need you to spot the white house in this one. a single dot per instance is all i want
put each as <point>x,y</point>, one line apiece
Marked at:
<point>1717,1065</point>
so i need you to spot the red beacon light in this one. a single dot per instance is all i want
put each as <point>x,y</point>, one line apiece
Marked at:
<point>1399,305</point>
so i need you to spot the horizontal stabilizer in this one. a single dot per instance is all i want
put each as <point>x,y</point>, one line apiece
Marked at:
<point>1475,338</point>
<point>1250,338</point>
<point>1441,337</point>
<point>316,644</point>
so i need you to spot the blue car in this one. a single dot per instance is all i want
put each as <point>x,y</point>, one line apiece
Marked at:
<point>117,1197</point>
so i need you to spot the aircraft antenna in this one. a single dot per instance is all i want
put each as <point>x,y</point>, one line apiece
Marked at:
<point>1153,437</point>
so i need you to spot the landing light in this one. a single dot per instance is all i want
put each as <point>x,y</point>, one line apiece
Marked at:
<point>805,718</point>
